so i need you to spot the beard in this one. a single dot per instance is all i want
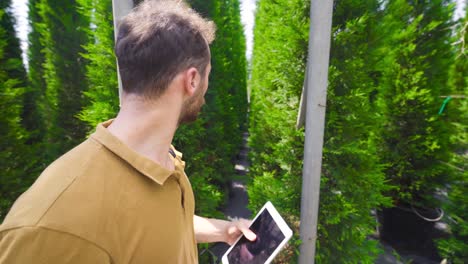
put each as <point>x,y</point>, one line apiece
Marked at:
<point>192,108</point>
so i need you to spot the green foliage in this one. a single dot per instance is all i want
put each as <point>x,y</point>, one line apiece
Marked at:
<point>73,75</point>
<point>352,178</point>
<point>280,38</point>
<point>13,161</point>
<point>456,247</point>
<point>200,167</point>
<point>414,58</point>
<point>62,35</point>
<point>278,63</point>
<point>211,143</point>
<point>32,113</point>
<point>101,72</point>
<point>389,66</point>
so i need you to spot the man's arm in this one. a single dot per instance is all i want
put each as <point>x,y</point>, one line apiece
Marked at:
<point>209,230</point>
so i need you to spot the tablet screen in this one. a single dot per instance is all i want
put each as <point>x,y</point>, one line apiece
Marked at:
<point>269,237</point>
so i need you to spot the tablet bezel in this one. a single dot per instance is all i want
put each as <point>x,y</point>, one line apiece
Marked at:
<point>287,232</point>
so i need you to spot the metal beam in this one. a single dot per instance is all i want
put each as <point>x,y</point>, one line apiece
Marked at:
<point>120,8</point>
<point>316,98</point>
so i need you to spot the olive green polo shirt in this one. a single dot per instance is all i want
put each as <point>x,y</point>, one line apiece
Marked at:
<point>103,203</point>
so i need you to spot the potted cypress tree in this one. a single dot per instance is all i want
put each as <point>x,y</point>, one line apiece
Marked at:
<point>456,247</point>
<point>415,54</point>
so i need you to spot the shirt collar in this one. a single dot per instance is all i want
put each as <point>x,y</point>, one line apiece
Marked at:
<point>145,166</point>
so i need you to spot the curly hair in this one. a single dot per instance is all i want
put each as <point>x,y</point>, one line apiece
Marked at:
<point>158,40</point>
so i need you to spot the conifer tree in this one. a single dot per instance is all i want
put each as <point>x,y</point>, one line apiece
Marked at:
<point>456,247</point>
<point>278,64</point>
<point>12,87</point>
<point>13,64</point>
<point>35,95</point>
<point>227,96</point>
<point>354,181</point>
<point>213,138</point>
<point>62,35</point>
<point>352,178</point>
<point>101,72</point>
<point>414,60</point>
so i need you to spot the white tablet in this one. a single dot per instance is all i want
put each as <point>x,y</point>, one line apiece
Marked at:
<point>272,234</point>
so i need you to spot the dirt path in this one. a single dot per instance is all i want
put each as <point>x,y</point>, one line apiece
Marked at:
<point>238,198</point>
<point>236,206</point>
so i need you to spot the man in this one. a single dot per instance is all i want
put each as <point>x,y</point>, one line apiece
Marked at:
<point>122,195</point>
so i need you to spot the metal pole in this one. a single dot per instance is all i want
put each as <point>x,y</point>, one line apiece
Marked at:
<point>303,103</point>
<point>317,71</point>
<point>120,8</point>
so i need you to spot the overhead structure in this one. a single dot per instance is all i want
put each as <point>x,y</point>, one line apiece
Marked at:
<point>312,112</point>
<point>120,8</point>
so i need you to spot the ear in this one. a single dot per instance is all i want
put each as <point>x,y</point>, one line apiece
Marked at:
<point>191,80</point>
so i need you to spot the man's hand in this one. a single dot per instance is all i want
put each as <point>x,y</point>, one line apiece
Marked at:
<point>216,230</point>
<point>237,228</point>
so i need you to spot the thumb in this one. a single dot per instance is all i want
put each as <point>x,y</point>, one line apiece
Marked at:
<point>243,226</point>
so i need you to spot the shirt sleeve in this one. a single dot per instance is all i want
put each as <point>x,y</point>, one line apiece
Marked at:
<point>42,245</point>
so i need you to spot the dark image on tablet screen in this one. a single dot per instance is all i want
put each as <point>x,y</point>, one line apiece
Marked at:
<point>269,236</point>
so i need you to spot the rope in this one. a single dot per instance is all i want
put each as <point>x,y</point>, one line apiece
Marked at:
<point>413,210</point>
<point>437,219</point>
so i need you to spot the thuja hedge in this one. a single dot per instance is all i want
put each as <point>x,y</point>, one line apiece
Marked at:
<point>61,37</point>
<point>383,135</point>
<point>34,102</point>
<point>352,179</point>
<point>211,143</point>
<point>102,94</point>
<point>73,87</point>
<point>39,110</point>
<point>456,247</point>
<point>12,87</point>
<point>414,58</point>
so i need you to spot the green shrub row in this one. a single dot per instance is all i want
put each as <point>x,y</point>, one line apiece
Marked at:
<point>414,58</point>
<point>12,88</point>
<point>72,87</point>
<point>456,247</point>
<point>212,142</point>
<point>385,142</point>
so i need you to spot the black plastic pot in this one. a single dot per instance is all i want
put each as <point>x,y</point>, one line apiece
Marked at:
<point>405,230</point>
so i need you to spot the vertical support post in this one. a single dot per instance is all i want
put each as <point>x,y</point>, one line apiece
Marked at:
<point>120,8</point>
<point>303,103</point>
<point>317,79</point>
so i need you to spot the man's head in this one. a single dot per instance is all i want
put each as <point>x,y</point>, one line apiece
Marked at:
<point>157,41</point>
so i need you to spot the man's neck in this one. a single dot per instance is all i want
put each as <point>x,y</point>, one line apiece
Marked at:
<point>148,128</point>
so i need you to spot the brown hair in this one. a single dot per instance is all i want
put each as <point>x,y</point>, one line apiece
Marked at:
<point>157,41</point>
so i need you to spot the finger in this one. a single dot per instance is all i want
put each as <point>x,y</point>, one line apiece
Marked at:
<point>243,227</point>
<point>248,234</point>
